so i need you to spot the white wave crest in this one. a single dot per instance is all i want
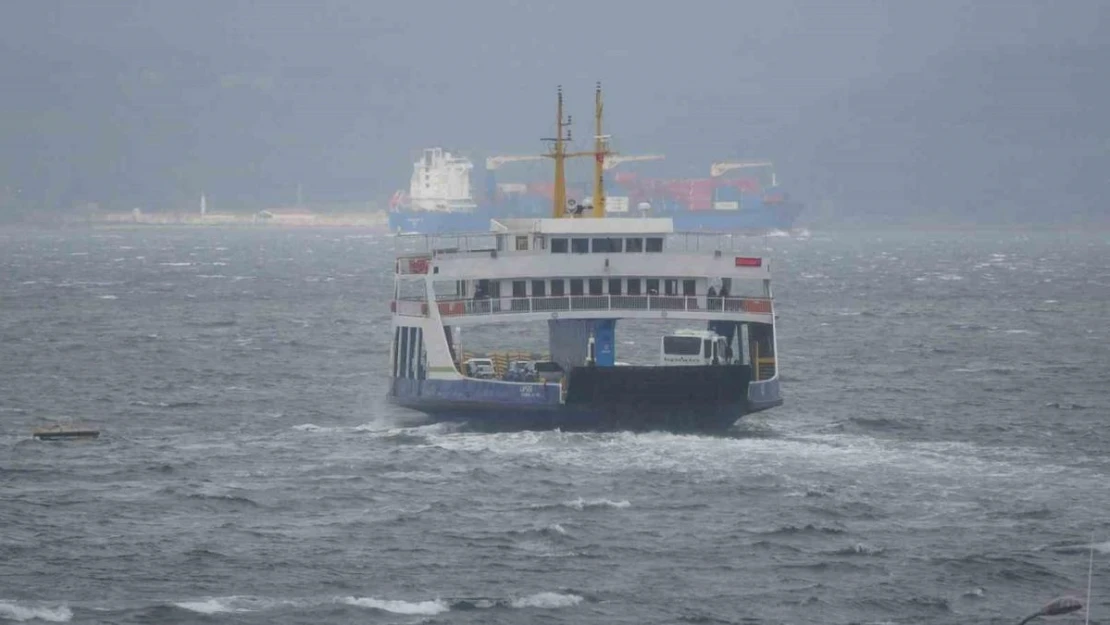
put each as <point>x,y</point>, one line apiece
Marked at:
<point>12,611</point>
<point>428,608</point>
<point>211,606</point>
<point>582,504</point>
<point>548,600</point>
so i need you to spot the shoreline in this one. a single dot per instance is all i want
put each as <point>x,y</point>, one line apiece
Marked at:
<point>377,221</point>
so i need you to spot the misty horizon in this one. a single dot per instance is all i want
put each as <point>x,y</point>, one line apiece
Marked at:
<point>951,112</point>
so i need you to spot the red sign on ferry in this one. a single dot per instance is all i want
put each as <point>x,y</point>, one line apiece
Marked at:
<point>418,265</point>
<point>747,261</point>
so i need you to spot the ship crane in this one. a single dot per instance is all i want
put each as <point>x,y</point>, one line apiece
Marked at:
<point>612,160</point>
<point>495,162</point>
<point>718,169</point>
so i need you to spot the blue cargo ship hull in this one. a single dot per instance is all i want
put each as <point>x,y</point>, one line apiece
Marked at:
<point>762,218</point>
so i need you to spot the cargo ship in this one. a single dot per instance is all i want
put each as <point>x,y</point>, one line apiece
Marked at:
<point>737,196</point>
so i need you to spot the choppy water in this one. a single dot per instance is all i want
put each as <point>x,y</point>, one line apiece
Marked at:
<point>941,457</point>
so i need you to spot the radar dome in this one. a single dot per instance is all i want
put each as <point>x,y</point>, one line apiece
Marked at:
<point>643,206</point>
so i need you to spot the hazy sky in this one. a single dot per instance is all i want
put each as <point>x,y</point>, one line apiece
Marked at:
<point>150,102</point>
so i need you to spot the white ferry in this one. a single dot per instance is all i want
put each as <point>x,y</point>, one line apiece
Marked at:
<point>580,273</point>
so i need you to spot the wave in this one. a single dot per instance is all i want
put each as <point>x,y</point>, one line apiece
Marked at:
<point>587,504</point>
<point>427,608</point>
<point>14,611</point>
<point>418,607</point>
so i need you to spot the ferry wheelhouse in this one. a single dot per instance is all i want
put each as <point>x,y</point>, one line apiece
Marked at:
<point>579,274</point>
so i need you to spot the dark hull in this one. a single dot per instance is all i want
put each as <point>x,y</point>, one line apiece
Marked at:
<point>597,399</point>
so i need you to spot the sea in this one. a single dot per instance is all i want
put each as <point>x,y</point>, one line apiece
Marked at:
<point>941,455</point>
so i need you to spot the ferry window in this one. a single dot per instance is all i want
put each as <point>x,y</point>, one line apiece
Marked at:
<point>671,286</point>
<point>614,286</point>
<point>519,288</point>
<point>580,246</point>
<point>634,286</point>
<point>595,286</point>
<point>606,246</point>
<point>538,243</point>
<point>576,286</point>
<point>493,288</point>
<point>539,288</point>
<point>501,243</point>
<point>634,245</point>
<point>653,286</point>
<point>707,345</point>
<point>557,288</point>
<point>689,287</point>
<point>655,244</point>
<point>682,345</point>
<point>522,243</point>
<point>558,246</point>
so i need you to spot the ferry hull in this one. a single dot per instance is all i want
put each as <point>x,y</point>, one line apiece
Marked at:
<point>597,399</point>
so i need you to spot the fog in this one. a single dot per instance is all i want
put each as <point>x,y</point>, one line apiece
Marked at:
<point>874,112</point>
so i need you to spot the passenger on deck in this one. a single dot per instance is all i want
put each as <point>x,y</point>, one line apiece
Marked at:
<point>728,353</point>
<point>712,301</point>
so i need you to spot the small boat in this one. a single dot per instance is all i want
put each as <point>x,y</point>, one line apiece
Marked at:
<point>60,431</point>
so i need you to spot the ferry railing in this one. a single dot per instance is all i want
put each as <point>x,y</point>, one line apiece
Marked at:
<point>558,303</point>
<point>461,244</point>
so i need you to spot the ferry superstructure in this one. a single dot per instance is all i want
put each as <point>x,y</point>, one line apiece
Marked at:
<point>579,273</point>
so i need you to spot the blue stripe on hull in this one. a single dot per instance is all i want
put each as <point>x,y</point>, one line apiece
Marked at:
<point>482,394</point>
<point>502,405</point>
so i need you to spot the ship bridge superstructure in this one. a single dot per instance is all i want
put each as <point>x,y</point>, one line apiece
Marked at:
<point>530,270</point>
<point>441,182</point>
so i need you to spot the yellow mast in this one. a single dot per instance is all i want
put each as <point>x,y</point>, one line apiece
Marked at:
<point>601,150</point>
<point>559,155</point>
